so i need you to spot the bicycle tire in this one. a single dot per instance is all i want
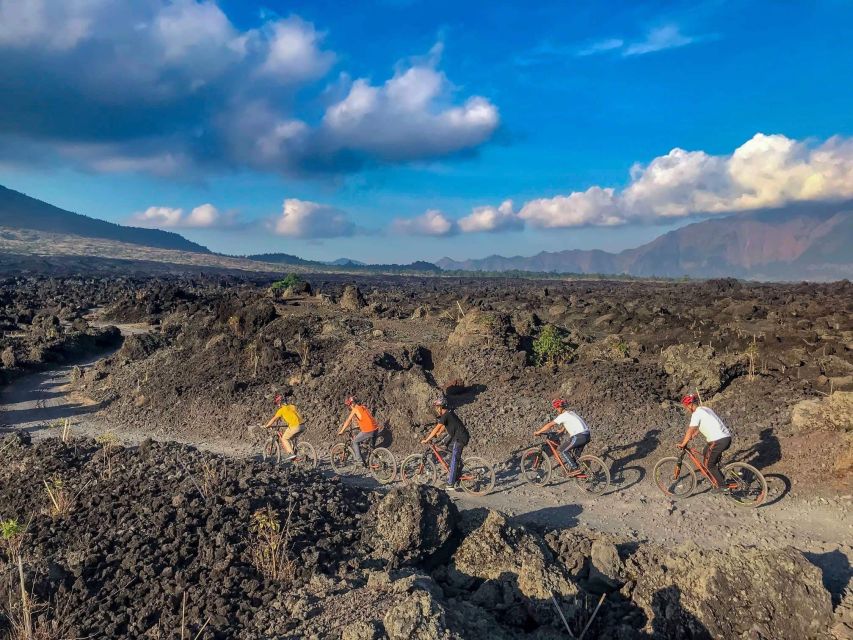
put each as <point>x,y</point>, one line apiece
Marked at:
<point>272,451</point>
<point>536,467</point>
<point>674,485</point>
<point>597,474</point>
<point>341,457</point>
<point>417,469</point>
<point>750,488</point>
<point>306,456</point>
<point>477,476</point>
<point>382,465</point>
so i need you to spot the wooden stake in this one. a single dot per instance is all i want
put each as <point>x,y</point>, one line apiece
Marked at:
<point>562,617</point>
<point>592,617</point>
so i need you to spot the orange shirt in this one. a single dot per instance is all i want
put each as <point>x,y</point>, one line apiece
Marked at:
<point>365,419</point>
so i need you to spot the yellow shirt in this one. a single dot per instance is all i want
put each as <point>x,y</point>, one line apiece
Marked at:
<point>289,414</point>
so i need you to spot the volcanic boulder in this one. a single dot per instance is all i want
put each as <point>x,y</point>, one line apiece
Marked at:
<point>737,593</point>
<point>351,299</point>
<point>410,524</point>
<point>504,553</point>
<point>699,367</point>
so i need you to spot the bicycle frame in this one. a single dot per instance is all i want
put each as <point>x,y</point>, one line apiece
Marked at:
<point>696,458</point>
<point>436,453</point>
<point>555,452</point>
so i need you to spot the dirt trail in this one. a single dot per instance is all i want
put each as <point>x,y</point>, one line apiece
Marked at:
<point>820,527</point>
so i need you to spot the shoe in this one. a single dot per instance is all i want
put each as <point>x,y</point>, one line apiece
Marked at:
<point>452,487</point>
<point>574,473</point>
<point>290,457</point>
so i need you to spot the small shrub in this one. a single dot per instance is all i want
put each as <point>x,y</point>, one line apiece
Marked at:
<point>270,546</point>
<point>551,346</point>
<point>108,442</point>
<point>12,537</point>
<point>621,349</point>
<point>60,498</point>
<point>290,280</point>
<point>211,479</point>
<point>751,353</point>
<point>8,358</point>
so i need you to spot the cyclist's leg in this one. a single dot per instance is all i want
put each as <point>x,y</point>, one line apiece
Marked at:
<point>360,437</point>
<point>711,458</point>
<point>455,463</point>
<point>567,444</point>
<point>287,435</point>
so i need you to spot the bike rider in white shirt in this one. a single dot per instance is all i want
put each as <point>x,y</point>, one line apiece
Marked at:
<point>575,433</point>
<point>717,436</point>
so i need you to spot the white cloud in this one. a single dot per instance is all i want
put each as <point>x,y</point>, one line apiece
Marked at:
<point>204,216</point>
<point>294,53</point>
<point>601,46</point>
<point>431,223</point>
<point>407,118</point>
<point>501,218</point>
<point>595,206</point>
<point>660,38</point>
<point>305,219</point>
<point>766,171</point>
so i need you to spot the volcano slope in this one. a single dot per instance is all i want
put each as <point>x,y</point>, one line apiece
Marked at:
<point>622,353</point>
<point>165,541</point>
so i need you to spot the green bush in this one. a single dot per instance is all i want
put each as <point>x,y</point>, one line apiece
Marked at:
<point>290,280</point>
<point>551,346</point>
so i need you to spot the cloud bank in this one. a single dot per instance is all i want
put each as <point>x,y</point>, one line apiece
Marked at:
<point>766,171</point>
<point>204,216</point>
<point>174,88</point>
<point>305,219</point>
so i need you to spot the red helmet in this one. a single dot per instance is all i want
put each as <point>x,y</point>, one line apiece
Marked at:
<point>559,403</point>
<point>440,403</point>
<point>349,401</point>
<point>690,398</point>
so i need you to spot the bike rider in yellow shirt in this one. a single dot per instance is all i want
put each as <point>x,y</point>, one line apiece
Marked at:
<point>287,414</point>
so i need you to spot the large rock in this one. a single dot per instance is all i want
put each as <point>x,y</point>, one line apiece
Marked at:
<point>140,346</point>
<point>410,524</point>
<point>352,300</point>
<point>605,567</point>
<point>736,593</point>
<point>834,412</point>
<point>480,327</point>
<point>417,617</point>
<point>700,367</point>
<point>498,550</point>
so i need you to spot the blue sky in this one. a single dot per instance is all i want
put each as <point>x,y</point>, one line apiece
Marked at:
<point>398,130</point>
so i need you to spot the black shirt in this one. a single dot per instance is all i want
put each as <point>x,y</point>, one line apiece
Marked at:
<point>456,431</point>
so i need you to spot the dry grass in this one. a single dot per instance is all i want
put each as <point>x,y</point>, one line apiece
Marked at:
<point>269,545</point>
<point>211,479</point>
<point>108,442</point>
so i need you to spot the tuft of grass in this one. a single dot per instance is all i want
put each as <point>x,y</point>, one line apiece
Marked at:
<point>751,352</point>
<point>551,346</point>
<point>211,479</point>
<point>108,442</point>
<point>60,498</point>
<point>270,545</point>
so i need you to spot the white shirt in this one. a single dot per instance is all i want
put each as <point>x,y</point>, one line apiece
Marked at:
<point>572,423</point>
<point>709,423</point>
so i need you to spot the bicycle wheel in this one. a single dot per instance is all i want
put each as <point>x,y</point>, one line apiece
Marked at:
<point>747,487</point>
<point>417,469</point>
<point>595,476</point>
<point>536,466</point>
<point>477,476</point>
<point>382,465</point>
<point>675,478</point>
<point>340,456</point>
<point>271,451</point>
<point>306,456</point>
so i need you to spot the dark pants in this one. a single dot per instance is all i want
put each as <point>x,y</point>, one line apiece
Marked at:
<point>711,458</point>
<point>567,443</point>
<point>362,436</point>
<point>455,463</point>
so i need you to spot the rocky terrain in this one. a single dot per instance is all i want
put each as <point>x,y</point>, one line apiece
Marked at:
<point>153,522</point>
<point>164,541</point>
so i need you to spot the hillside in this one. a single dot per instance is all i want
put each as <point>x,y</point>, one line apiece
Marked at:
<point>20,211</point>
<point>794,244</point>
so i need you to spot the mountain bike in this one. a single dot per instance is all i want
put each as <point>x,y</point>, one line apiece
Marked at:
<point>592,473</point>
<point>273,451</point>
<point>745,485</point>
<point>476,477</point>
<point>381,463</point>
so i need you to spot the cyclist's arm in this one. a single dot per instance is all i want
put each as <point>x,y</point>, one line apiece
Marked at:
<point>691,433</point>
<point>435,432</point>
<point>545,428</point>
<point>272,421</point>
<point>347,422</point>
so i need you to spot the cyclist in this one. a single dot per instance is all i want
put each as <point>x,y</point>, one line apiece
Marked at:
<point>717,436</point>
<point>575,432</point>
<point>457,439</point>
<point>287,414</point>
<point>367,426</point>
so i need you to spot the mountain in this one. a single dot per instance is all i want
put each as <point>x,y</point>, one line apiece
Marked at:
<point>20,211</point>
<point>347,262</point>
<point>798,242</point>
<point>282,258</point>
